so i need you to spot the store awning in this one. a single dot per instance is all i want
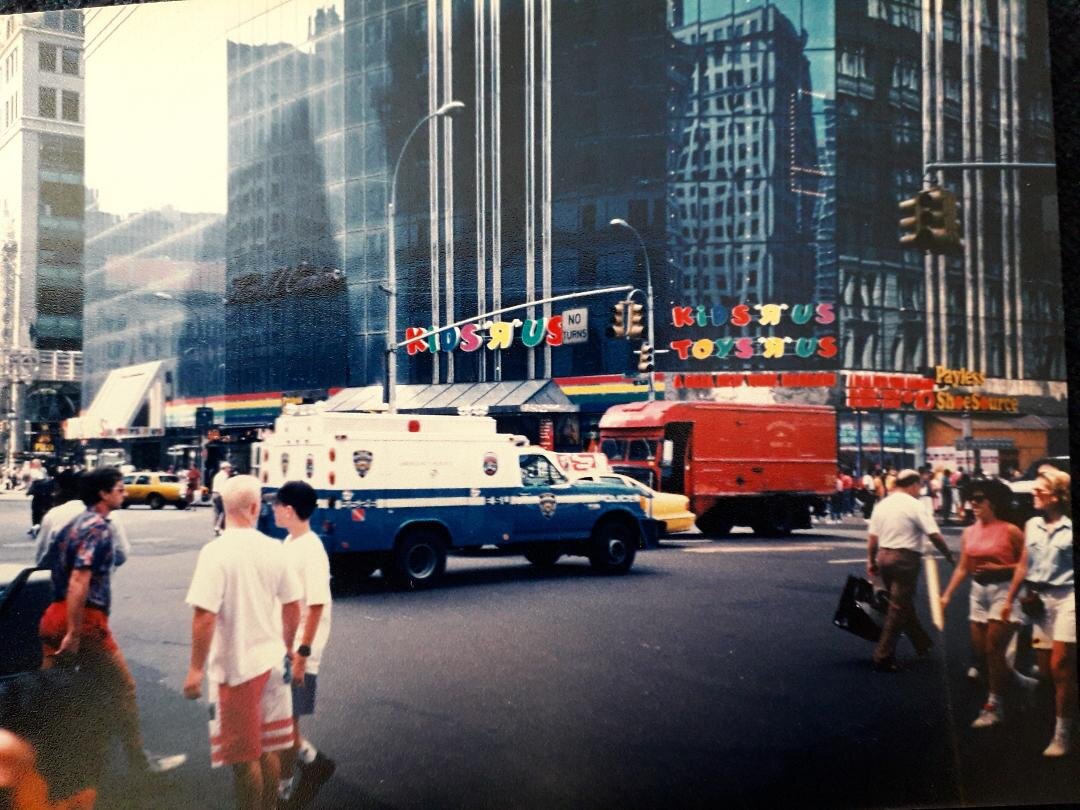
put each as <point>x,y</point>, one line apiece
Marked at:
<point>489,398</point>
<point>119,402</point>
<point>1028,422</point>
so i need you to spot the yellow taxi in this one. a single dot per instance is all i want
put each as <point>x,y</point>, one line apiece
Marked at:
<point>670,507</point>
<point>154,489</point>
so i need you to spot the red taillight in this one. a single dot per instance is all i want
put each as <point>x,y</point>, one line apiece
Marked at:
<point>331,476</point>
<point>265,476</point>
<point>414,426</point>
<point>333,455</point>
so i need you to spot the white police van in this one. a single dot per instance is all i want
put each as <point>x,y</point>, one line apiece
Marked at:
<point>398,492</point>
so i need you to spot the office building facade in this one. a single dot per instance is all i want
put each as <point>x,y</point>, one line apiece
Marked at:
<point>41,223</point>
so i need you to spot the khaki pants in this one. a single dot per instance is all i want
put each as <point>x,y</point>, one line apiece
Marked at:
<point>900,572</point>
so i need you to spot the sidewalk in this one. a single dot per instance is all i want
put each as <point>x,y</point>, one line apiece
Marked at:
<point>13,495</point>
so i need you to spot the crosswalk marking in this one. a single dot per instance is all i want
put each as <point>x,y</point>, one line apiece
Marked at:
<point>848,562</point>
<point>756,549</point>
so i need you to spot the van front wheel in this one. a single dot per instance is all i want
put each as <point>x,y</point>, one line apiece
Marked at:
<point>419,559</point>
<point>613,547</point>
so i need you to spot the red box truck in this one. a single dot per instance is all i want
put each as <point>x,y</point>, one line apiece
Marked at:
<point>763,466</point>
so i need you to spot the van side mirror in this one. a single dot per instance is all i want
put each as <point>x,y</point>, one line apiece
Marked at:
<point>667,453</point>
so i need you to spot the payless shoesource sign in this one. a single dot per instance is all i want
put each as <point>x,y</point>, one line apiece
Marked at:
<point>941,390</point>
<point>951,399</point>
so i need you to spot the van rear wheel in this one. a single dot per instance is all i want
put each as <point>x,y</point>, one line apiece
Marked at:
<point>419,559</point>
<point>613,547</point>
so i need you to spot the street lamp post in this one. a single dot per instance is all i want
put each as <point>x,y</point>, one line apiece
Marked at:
<point>649,323</point>
<point>449,108</point>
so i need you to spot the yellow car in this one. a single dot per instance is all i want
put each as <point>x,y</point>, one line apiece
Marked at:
<point>154,489</point>
<point>670,507</point>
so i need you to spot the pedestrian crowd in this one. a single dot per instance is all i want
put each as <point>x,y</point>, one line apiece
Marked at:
<point>261,615</point>
<point>1020,575</point>
<point>941,491</point>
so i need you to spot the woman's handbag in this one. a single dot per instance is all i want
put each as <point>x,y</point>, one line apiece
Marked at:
<point>1032,604</point>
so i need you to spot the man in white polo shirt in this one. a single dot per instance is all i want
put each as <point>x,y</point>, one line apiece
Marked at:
<point>895,542</point>
<point>246,603</point>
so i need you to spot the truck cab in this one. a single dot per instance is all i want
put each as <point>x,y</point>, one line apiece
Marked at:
<point>399,492</point>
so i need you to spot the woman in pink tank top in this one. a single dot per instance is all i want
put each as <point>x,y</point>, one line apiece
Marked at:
<point>990,550</point>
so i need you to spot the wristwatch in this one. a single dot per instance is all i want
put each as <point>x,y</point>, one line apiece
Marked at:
<point>303,650</point>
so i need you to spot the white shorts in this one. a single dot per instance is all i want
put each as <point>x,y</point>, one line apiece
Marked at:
<point>1059,622</point>
<point>251,718</point>
<point>987,601</point>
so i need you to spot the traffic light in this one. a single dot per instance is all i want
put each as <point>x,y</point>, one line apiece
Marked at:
<point>634,326</point>
<point>204,419</point>
<point>618,320</point>
<point>645,362</point>
<point>929,222</point>
<point>944,227</point>
<point>913,223</point>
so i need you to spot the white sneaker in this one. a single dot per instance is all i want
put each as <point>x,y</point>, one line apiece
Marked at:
<point>1058,747</point>
<point>156,764</point>
<point>973,673</point>
<point>991,715</point>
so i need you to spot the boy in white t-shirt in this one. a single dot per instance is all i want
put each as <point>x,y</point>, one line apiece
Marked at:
<point>293,506</point>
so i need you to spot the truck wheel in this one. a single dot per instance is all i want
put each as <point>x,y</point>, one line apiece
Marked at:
<point>155,501</point>
<point>543,557</point>
<point>778,524</point>
<point>715,524</point>
<point>419,559</point>
<point>612,547</point>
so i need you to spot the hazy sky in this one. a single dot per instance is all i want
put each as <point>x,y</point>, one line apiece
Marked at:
<point>156,105</point>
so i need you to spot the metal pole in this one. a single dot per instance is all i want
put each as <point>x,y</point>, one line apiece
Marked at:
<point>391,264</point>
<point>650,322</point>
<point>565,297</point>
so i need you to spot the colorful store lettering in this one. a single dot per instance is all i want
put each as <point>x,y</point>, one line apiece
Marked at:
<point>743,315</point>
<point>492,335</point>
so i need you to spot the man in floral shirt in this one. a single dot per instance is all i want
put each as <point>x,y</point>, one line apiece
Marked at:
<point>75,627</point>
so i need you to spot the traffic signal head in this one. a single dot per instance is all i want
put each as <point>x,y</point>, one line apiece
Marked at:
<point>617,328</point>
<point>645,358</point>
<point>943,226</point>
<point>913,222</point>
<point>928,221</point>
<point>634,326</point>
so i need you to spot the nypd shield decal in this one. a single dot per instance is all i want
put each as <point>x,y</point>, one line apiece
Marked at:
<point>547,504</point>
<point>361,460</point>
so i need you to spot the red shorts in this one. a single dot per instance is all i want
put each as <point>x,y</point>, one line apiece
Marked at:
<point>95,629</point>
<point>250,719</point>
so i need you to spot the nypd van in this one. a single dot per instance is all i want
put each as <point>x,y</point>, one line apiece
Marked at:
<point>399,492</point>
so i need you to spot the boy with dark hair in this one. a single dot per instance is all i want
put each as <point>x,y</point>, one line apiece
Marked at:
<point>293,507</point>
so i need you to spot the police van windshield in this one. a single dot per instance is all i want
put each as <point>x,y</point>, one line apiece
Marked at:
<point>538,471</point>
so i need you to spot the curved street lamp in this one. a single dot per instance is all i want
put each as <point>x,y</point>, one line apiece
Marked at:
<point>622,223</point>
<point>449,108</point>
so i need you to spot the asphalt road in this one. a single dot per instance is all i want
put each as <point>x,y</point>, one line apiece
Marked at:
<point>710,675</point>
